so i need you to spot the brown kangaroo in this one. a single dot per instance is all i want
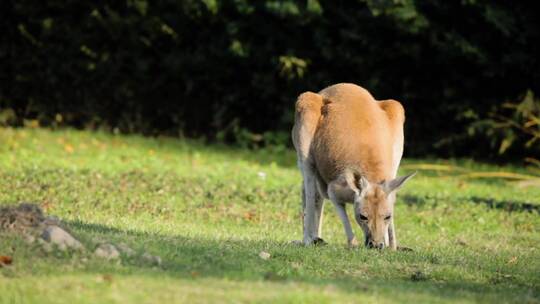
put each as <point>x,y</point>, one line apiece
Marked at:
<point>349,147</point>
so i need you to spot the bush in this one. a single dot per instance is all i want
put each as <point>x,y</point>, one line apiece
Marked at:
<point>198,67</point>
<point>512,126</point>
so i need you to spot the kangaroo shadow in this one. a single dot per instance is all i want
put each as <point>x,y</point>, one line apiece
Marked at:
<point>238,260</point>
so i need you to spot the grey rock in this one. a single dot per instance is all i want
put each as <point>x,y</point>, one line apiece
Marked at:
<point>153,259</point>
<point>107,251</point>
<point>126,250</point>
<point>264,255</point>
<point>61,238</point>
<point>62,247</point>
<point>51,221</point>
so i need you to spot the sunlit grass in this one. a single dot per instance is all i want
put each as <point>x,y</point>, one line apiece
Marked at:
<point>208,210</point>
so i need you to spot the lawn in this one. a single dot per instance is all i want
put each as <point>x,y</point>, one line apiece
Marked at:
<point>209,210</point>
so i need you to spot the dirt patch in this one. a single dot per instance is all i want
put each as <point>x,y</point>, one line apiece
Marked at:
<point>29,221</point>
<point>25,218</point>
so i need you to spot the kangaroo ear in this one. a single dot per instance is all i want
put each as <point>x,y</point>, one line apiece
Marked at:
<point>396,183</point>
<point>363,183</point>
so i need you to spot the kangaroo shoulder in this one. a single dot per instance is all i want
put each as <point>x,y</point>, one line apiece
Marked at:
<point>394,110</point>
<point>309,101</point>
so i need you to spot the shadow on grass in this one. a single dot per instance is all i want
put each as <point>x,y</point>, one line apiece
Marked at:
<point>238,260</point>
<point>509,206</point>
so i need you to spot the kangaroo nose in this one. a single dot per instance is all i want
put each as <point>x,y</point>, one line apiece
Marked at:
<point>380,246</point>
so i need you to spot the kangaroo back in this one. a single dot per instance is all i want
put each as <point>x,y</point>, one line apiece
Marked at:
<point>356,132</point>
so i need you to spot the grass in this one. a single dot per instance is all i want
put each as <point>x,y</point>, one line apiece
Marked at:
<point>208,211</point>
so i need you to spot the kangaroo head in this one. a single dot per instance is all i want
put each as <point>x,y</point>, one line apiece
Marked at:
<point>374,208</point>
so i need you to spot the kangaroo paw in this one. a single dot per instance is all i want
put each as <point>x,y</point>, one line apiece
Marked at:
<point>319,242</point>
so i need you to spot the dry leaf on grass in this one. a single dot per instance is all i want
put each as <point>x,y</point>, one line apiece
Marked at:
<point>5,260</point>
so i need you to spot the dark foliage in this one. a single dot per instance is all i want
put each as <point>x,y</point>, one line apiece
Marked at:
<point>203,68</point>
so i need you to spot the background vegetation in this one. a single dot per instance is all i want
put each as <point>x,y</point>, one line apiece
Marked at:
<point>467,71</point>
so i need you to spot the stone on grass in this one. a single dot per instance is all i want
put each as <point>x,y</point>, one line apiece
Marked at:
<point>51,220</point>
<point>264,255</point>
<point>107,251</point>
<point>153,259</point>
<point>126,250</point>
<point>61,238</point>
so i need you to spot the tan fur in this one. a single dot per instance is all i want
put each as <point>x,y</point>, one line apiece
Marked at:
<point>355,132</point>
<point>307,117</point>
<point>341,134</point>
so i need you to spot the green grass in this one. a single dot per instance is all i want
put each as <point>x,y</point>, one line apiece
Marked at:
<point>208,213</point>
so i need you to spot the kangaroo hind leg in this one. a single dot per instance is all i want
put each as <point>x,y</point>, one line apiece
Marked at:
<point>308,112</point>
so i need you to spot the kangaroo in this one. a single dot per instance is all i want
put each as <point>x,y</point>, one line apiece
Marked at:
<point>349,147</point>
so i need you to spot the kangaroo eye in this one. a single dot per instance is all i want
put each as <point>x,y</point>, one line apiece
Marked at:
<point>363,218</point>
<point>387,217</point>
